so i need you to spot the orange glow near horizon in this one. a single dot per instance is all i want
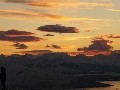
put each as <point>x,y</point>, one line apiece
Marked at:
<point>89,53</point>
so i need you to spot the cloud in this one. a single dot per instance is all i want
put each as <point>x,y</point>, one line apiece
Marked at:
<point>17,1</point>
<point>58,29</point>
<point>98,44</point>
<point>21,14</point>
<point>53,46</point>
<point>56,46</point>
<point>49,35</point>
<point>27,14</point>
<point>61,3</point>
<point>20,45</point>
<point>15,32</point>
<point>113,10</point>
<point>36,52</point>
<point>18,36</point>
<point>45,5</point>
<point>112,36</point>
<point>73,38</point>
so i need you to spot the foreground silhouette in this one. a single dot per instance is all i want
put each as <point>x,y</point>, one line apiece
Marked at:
<point>3,78</point>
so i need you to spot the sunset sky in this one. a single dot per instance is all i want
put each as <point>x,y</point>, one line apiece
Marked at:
<point>35,25</point>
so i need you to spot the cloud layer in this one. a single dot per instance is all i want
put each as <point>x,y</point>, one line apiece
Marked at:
<point>18,36</point>
<point>58,29</point>
<point>22,14</point>
<point>49,35</point>
<point>15,32</point>
<point>17,1</point>
<point>62,3</point>
<point>28,14</point>
<point>98,44</point>
<point>36,52</point>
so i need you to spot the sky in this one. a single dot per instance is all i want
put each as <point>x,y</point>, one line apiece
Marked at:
<point>40,26</point>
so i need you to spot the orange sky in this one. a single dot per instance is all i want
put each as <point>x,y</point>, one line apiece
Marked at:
<point>92,18</point>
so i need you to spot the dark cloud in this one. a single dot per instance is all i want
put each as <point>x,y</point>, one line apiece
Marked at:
<point>55,4</point>
<point>56,46</point>
<point>15,32</point>
<point>35,3</point>
<point>62,3</point>
<point>18,36</point>
<point>20,45</point>
<point>36,52</point>
<point>17,1</point>
<point>112,36</point>
<point>99,44</point>
<point>82,49</point>
<point>49,35</point>
<point>53,46</point>
<point>58,29</point>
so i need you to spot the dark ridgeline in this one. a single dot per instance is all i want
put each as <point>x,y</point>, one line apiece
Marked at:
<point>56,70</point>
<point>3,78</point>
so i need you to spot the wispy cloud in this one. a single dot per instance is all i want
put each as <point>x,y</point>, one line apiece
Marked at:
<point>69,4</point>
<point>72,38</point>
<point>36,52</point>
<point>112,36</point>
<point>30,15</point>
<point>76,38</point>
<point>17,1</point>
<point>26,14</point>
<point>62,3</point>
<point>113,10</point>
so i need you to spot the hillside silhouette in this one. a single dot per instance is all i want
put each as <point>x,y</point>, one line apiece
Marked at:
<point>56,70</point>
